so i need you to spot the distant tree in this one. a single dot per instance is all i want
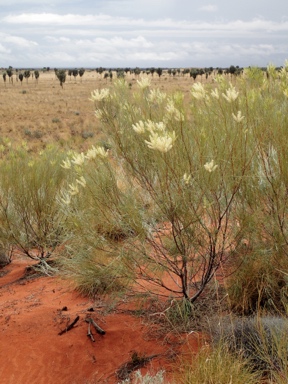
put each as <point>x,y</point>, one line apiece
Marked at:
<point>152,71</point>
<point>36,74</point>
<point>120,73</point>
<point>185,71</point>
<point>220,71</point>
<point>137,71</point>
<point>70,72</point>
<point>75,73</point>
<point>4,77</point>
<point>174,72</point>
<point>81,72</point>
<point>21,77</point>
<point>9,72</point>
<point>194,73</point>
<point>61,75</point>
<point>27,74</point>
<point>159,72</point>
<point>201,72</point>
<point>111,75</point>
<point>100,70</point>
<point>232,70</point>
<point>207,72</point>
<point>106,75</point>
<point>238,70</point>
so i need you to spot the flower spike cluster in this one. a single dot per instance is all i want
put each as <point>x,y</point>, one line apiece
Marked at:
<point>231,94</point>
<point>100,94</point>
<point>239,117</point>
<point>198,91</point>
<point>161,142</point>
<point>210,167</point>
<point>144,82</point>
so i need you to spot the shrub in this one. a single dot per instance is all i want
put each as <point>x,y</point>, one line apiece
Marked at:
<point>172,169</point>
<point>258,284</point>
<point>30,213</point>
<point>261,340</point>
<point>180,189</point>
<point>86,135</point>
<point>5,257</point>
<point>217,365</point>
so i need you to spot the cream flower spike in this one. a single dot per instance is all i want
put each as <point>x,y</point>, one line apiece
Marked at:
<point>210,167</point>
<point>239,117</point>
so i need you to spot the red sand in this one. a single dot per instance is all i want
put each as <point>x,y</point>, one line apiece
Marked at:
<point>31,351</point>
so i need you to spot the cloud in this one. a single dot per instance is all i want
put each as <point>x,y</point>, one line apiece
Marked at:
<point>19,41</point>
<point>124,24</point>
<point>4,49</point>
<point>102,39</point>
<point>209,8</point>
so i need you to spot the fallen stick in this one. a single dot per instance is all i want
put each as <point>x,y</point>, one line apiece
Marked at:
<point>70,326</point>
<point>89,333</point>
<point>96,326</point>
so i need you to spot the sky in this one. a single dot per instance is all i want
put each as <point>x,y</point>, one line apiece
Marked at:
<point>143,33</point>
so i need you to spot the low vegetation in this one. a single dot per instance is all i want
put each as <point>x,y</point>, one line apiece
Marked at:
<point>183,199</point>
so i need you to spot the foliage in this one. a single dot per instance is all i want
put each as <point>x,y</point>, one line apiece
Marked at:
<point>261,340</point>
<point>9,72</point>
<point>75,73</point>
<point>259,283</point>
<point>61,75</point>
<point>27,74</point>
<point>178,195</point>
<point>81,72</point>
<point>93,203</point>
<point>36,74</point>
<point>217,365</point>
<point>188,207</point>
<point>159,71</point>
<point>29,210</point>
<point>5,256</point>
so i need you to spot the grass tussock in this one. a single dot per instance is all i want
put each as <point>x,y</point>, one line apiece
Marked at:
<point>259,284</point>
<point>259,340</point>
<point>217,365</point>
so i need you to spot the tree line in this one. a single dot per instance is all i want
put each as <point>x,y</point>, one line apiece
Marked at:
<point>109,73</point>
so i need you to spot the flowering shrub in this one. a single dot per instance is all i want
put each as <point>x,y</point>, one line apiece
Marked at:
<point>178,194</point>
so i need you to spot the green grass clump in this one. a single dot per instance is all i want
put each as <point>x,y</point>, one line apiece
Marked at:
<point>260,340</point>
<point>258,284</point>
<point>217,366</point>
<point>93,273</point>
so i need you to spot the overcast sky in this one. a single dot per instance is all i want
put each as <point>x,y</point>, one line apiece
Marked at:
<point>143,33</point>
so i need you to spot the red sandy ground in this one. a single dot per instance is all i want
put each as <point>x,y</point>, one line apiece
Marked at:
<point>31,351</point>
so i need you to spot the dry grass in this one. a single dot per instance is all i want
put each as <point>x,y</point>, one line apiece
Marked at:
<point>44,113</point>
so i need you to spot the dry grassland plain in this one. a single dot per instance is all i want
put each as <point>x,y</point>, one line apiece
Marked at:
<point>37,114</point>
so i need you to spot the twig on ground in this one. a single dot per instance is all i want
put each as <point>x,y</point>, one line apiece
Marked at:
<point>96,326</point>
<point>70,326</point>
<point>137,361</point>
<point>89,333</point>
